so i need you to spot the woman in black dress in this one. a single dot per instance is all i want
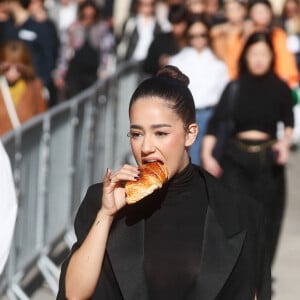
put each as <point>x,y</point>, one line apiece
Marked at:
<point>255,156</point>
<point>192,239</point>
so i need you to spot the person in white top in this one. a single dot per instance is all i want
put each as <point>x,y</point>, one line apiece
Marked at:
<point>138,32</point>
<point>208,75</point>
<point>8,207</point>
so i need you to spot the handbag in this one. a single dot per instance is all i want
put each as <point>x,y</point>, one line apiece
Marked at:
<point>226,126</point>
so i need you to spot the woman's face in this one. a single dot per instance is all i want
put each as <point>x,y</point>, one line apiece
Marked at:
<point>259,58</point>
<point>235,12</point>
<point>195,6</point>
<point>88,16</point>
<point>291,8</point>
<point>11,72</point>
<point>261,15</point>
<point>178,29</point>
<point>158,133</point>
<point>146,7</point>
<point>197,36</point>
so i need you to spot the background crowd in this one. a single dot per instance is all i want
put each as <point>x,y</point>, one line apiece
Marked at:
<point>52,50</point>
<point>72,43</point>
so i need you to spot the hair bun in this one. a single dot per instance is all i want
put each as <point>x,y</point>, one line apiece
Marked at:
<point>173,72</point>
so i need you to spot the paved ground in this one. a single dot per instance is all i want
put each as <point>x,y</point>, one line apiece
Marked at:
<point>286,269</point>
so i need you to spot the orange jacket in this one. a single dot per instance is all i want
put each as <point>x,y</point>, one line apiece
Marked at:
<point>285,62</point>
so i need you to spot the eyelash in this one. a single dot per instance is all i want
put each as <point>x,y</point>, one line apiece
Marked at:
<point>136,135</point>
<point>160,133</point>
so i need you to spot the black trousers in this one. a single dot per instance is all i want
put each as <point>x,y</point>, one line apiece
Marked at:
<point>258,175</point>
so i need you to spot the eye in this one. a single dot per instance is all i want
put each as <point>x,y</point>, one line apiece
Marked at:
<point>134,134</point>
<point>161,133</point>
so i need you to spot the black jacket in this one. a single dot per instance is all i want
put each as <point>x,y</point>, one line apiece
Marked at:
<point>163,44</point>
<point>233,266</point>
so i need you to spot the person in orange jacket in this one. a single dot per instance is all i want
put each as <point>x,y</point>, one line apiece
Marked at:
<point>260,19</point>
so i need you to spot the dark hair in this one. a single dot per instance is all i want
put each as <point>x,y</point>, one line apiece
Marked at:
<point>170,85</point>
<point>199,18</point>
<point>177,13</point>
<point>202,18</point>
<point>17,52</point>
<point>24,3</point>
<point>88,3</point>
<point>254,38</point>
<point>251,3</point>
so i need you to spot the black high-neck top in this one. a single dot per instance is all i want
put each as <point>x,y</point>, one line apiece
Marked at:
<point>259,104</point>
<point>173,237</point>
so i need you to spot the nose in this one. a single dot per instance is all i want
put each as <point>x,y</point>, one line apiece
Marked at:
<point>148,145</point>
<point>12,74</point>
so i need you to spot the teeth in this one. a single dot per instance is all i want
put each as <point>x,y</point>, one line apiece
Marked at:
<point>149,161</point>
<point>144,161</point>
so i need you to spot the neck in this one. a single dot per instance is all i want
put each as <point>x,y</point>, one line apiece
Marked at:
<point>20,16</point>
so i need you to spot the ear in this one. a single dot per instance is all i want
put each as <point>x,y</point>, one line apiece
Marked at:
<point>191,134</point>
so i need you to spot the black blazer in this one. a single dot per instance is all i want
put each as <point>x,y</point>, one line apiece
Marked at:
<point>233,266</point>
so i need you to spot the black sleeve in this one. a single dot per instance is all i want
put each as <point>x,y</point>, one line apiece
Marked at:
<point>46,60</point>
<point>85,218</point>
<point>287,115</point>
<point>220,112</point>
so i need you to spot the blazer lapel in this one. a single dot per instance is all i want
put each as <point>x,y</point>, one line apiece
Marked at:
<point>125,249</point>
<point>219,255</point>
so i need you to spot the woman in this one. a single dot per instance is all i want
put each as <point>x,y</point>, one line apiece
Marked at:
<point>235,12</point>
<point>167,43</point>
<point>261,19</point>
<point>208,75</point>
<point>22,92</point>
<point>181,242</point>
<point>87,52</point>
<point>138,32</point>
<point>254,158</point>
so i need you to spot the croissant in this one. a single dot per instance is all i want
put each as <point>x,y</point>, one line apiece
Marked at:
<point>152,176</point>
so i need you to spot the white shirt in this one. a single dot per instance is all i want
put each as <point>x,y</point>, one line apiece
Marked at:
<point>8,207</point>
<point>67,14</point>
<point>208,75</point>
<point>145,28</point>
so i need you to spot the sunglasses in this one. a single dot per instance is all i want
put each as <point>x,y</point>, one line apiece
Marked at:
<point>198,35</point>
<point>4,67</point>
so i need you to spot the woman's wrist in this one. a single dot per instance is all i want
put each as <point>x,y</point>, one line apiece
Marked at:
<point>103,217</point>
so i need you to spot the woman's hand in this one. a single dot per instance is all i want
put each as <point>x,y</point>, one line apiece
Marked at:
<point>59,82</point>
<point>88,258</point>
<point>114,197</point>
<point>211,165</point>
<point>281,150</point>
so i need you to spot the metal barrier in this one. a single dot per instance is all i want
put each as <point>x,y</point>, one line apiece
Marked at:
<point>55,157</point>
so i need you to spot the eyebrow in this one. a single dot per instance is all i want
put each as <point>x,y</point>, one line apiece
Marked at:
<point>155,126</point>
